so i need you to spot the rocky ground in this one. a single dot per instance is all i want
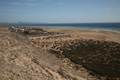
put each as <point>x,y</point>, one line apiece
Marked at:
<point>101,57</point>
<point>20,60</point>
<point>96,52</point>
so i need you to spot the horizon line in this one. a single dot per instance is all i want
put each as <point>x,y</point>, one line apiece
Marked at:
<point>51,23</point>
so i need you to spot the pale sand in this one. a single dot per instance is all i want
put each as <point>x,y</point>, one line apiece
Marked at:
<point>106,35</point>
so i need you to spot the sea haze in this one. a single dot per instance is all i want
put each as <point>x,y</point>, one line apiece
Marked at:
<point>108,26</point>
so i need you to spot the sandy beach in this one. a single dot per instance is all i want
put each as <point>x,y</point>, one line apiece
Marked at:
<point>59,54</point>
<point>95,34</point>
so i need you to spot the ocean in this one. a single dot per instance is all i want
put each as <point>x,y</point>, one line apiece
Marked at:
<point>83,26</point>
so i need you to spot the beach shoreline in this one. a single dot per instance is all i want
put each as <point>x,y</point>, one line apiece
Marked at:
<point>96,34</point>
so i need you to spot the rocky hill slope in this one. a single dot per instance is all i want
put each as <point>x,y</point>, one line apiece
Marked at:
<point>19,60</point>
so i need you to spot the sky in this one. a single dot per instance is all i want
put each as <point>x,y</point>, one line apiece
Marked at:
<point>60,11</point>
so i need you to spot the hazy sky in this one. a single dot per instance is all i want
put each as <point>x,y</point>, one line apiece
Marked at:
<point>60,11</point>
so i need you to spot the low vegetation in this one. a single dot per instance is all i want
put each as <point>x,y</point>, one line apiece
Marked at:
<point>101,57</point>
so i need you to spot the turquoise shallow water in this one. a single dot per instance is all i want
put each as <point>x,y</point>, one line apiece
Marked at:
<point>84,26</point>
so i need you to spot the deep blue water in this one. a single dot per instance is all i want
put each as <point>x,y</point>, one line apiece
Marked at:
<point>108,26</point>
